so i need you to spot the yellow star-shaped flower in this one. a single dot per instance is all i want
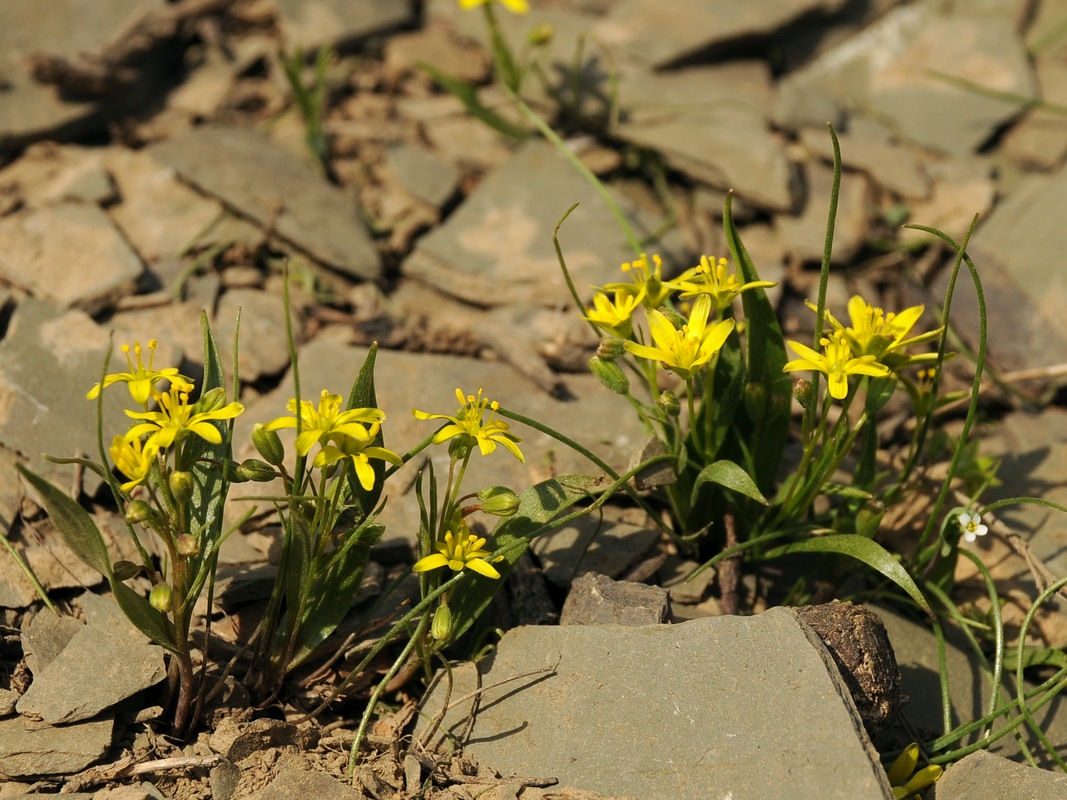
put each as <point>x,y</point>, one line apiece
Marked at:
<point>458,552</point>
<point>683,351</point>
<point>467,425</point>
<point>327,421</point>
<point>838,363</point>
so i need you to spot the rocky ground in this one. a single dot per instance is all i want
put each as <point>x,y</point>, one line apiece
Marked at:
<point>154,165</point>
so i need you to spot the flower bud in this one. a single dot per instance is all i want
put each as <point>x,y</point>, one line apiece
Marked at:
<point>610,374</point>
<point>268,444</point>
<point>138,511</point>
<point>755,401</point>
<point>211,400</point>
<point>541,35</point>
<point>499,501</point>
<point>610,348</point>
<point>676,319</point>
<point>804,392</point>
<point>160,597</point>
<point>669,404</point>
<point>441,627</point>
<point>459,447</point>
<point>181,485</point>
<point>252,469</point>
<point>187,545</point>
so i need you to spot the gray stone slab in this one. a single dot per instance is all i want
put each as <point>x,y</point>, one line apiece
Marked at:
<point>264,349</point>
<point>311,24</point>
<point>887,71</point>
<point>710,122</point>
<point>598,419</point>
<point>30,748</point>
<point>100,666</point>
<point>983,776</point>
<point>70,254</point>
<point>45,637</point>
<point>805,233</point>
<point>592,544</point>
<point>423,173</point>
<point>30,110</point>
<point>49,359</point>
<point>263,182</point>
<point>734,707</point>
<point>661,34</point>
<point>496,249</point>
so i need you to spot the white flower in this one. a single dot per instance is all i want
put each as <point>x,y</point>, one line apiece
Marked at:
<point>972,526</point>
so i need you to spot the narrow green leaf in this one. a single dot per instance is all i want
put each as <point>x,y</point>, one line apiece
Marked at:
<point>728,474</point>
<point>364,395</point>
<point>869,552</point>
<point>538,505</point>
<point>140,612</point>
<point>468,95</point>
<point>73,523</point>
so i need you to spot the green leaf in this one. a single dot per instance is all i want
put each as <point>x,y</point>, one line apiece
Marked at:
<point>363,395</point>
<point>538,506</point>
<point>73,523</point>
<point>765,359</point>
<point>728,474</point>
<point>468,95</point>
<point>869,552</point>
<point>140,612</point>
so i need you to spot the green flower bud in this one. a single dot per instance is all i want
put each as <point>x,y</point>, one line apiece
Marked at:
<point>252,469</point>
<point>541,35</point>
<point>187,545</point>
<point>459,447</point>
<point>124,570</point>
<point>676,319</point>
<point>138,511</point>
<point>610,348</point>
<point>211,400</point>
<point>499,501</point>
<point>268,444</point>
<point>181,485</point>
<point>160,597</point>
<point>804,392</point>
<point>441,627</point>
<point>755,401</point>
<point>610,374</point>
<point>669,403</point>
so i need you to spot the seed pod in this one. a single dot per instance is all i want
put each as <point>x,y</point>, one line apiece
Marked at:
<point>160,597</point>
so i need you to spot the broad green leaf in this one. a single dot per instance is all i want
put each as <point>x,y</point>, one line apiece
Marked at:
<point>467,94</point>
<point>728,474</point>
<point>73,523</point>
<point>866,550</point>
<point>765,359</point>
<point>140,612</point>
<point>538,505</point>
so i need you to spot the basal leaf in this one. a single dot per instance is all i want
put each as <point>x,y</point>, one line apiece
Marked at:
<point>140,612</point>
<point>728,474</point>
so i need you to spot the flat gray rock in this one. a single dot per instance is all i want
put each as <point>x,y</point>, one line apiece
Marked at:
<point>598,600</point>
<point>805,233</point>
<point>735,707</point>
<point>711,123</point>
<point>887,69</point>
<point>100,666</point>
<point>263,182</point>
<point>496,249</point>
<point>592,544</point>
<point>984,776</point>
<point>310,24</point>
<point>661,34</point>
<point>70,254</point>
<point>30,110</point>
<point>33,748</point>
<point>264,349</point>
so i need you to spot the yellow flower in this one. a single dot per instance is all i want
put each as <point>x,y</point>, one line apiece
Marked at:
<point>616,317</point>
<point>468,427</point>
<point>458,552</point>
<point>713,280</point>
<point>873,332</point>
<point>133,459</point>
<point>327,421</point>
<point>684,351</point>
<point>648,278</point>
<point>360,449</point>
<point>838,363</point>
<point>176,417</point>
<point>141,380</point>
<point>514,6</point>
<point>906,782</point>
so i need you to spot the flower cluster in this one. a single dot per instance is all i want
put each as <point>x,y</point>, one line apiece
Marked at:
<point>874,344</point>
<point>467,428</point>
<point>341,435</point>
<point>174,418</point>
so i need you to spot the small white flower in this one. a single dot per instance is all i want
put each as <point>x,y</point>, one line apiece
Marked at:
<point>972,526</point>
